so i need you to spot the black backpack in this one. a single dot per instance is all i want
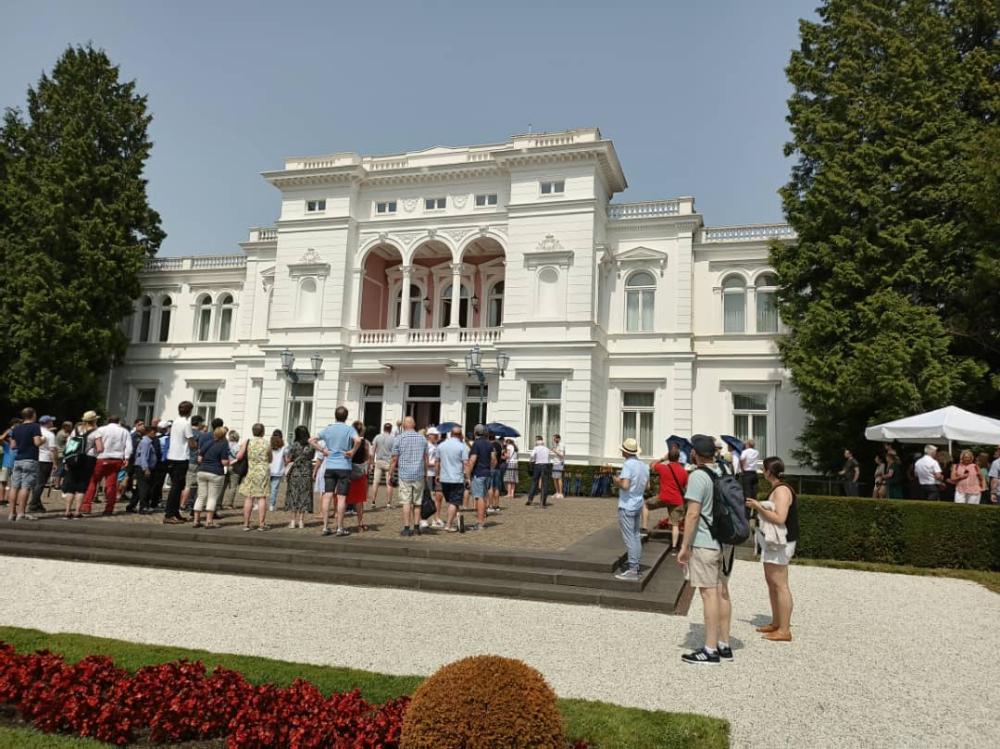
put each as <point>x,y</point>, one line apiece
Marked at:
<point>730,525</point>
<point>76,448</point>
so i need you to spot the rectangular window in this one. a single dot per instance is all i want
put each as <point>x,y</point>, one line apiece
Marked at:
<point>145,404</point>
<point>300,407</point>
<point>205,403</point>
<point>485,200</point>
<point>434,204</point>
<point>388,206</point>
<point>423,391</point>
<point>637,418</point>
<point>750,414</point>
<point>767,312</point>
<point>544,410</point>
<point>553,187</point>
<point>315,206</point>
<point>473,414</point>
<point>373,391</point>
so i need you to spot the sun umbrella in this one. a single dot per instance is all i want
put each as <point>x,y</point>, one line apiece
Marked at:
<point>733,442</point>
<point>502,430</point>
<point>682,443</point>
<point>447,426</point>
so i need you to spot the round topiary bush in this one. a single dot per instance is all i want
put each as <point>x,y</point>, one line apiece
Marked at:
<point>483,702</point>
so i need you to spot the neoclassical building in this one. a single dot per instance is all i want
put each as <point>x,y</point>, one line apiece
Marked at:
<point>384,272</point>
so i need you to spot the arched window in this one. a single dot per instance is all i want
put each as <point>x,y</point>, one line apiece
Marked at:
<point>166,307</point>
<point>640,294</point>
<point>227,305</point>
<point>548,296</point>
<point>767,303</point>
<point>416,305</point>
<point>495,306</point>
<point>145,318</point>
<point>203,315</point>
<point>463,309</point>
<point>734,305</point>
<point>307,309</point>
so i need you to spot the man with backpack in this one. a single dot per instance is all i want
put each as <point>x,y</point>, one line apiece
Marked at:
<point>715,518</point>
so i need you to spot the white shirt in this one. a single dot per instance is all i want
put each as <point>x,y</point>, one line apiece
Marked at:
<point>540,455</point>
<point>558,453</point>
<point>432,456</point>
<point>47,449</point>
<point>180,433</point>
<point>278,462</point>
<point>748,460</point>
<point>117,445</point>
<point>995,469</point>
<point>925,468</point>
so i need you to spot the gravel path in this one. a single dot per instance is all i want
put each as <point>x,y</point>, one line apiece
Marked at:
<point>879,660</point>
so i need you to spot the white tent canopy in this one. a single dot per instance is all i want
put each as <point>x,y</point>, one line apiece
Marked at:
<point>951,423</point>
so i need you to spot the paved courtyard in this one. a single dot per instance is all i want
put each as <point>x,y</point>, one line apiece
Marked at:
<point>879,660</point>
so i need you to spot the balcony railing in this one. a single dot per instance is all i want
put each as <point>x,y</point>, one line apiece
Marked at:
<point>651,209</point>
<point>749,233</point>
<point>194,262</point>
<point>426,337</point>
<point>164,263</point>
<point>263,234</point>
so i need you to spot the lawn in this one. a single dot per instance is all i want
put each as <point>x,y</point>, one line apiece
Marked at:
<point>989,580</point>
<point>603,725</point>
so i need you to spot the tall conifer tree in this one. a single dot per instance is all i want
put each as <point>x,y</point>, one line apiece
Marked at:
<point>75,230</point>
<point>890,97</point>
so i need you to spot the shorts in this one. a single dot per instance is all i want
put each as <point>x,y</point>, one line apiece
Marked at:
<point>4,475</point>
<point>676,515</point>
<point>337,481</point>
<point>704,568</point>
<point>480,486</point>
<point>969,499</point>
<point>777,555</point>
<point>432,484</point>
<point>557,472</point>
<point>453,493</point>
<point>25,474</point>
<point>191,482</point>
<point>410,492</point>
<point>496,479</point>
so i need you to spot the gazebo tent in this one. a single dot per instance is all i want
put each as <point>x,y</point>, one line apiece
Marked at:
<point>951,423</point>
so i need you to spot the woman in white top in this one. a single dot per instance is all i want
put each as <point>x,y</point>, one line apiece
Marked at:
<point>277,465</point>
<point>510,475</point>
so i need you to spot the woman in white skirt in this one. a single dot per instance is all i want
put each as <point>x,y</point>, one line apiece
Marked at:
<point>777,536</point>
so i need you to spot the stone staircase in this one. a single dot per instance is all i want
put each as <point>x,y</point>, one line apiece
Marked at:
<point>579,574</point>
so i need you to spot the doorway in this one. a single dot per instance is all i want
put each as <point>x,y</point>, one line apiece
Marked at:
<point>423,403</point>
<point>371,411</point>
<point>472,415</point>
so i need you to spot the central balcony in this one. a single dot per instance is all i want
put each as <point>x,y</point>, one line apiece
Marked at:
<point>443,337</point>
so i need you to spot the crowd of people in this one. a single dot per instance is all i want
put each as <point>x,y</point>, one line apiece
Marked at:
<point>933,474</point>
<point>690,488</point>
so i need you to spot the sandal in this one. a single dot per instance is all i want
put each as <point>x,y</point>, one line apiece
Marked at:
<point>263,528</point>
<point>777,637</point>
<point>212,525</point>
<point>197,525</point>
<point>768,628</point>
<point>362,528</point>
<point>246,527</point>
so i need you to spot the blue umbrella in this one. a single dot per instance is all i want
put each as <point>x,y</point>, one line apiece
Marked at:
<point>682,443</point>
<point>502,430</point>
<point>447,426</point>
<point>733,442</point>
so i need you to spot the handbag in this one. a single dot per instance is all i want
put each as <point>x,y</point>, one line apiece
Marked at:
<point>242,466</point>
<point>357,471</point>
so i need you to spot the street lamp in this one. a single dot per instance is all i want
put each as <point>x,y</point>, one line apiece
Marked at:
<point>293,376</point>
<point>473,362</point>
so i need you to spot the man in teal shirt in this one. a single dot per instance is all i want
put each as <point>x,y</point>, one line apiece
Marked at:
<point>631,483</point>
<point>701,556</point>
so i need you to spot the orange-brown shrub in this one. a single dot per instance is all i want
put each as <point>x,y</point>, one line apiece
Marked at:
<point>483,702</point>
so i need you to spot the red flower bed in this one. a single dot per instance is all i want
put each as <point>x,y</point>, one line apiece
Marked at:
<point>665,524</point>
<point>181,702</point>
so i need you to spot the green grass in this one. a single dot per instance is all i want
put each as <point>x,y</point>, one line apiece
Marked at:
<point>603,725</point>
<point>29,738</point>
<point>989,580</point>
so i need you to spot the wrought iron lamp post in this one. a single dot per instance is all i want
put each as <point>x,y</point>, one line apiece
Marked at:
<point>473,367</point>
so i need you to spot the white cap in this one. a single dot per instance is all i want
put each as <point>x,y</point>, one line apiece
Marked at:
<point>432,430</point>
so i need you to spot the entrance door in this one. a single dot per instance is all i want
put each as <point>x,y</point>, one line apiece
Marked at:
<point>372,419</point>
<point>424,413</point>
<point>472,414</point>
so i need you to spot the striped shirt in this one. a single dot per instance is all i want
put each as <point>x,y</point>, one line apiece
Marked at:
<point>410,449</point>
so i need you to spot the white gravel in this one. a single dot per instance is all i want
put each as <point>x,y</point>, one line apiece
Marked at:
<point>878,660</point>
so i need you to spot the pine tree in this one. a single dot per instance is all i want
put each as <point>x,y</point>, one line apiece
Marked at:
<point>886,107</point>
<point>75,231</point>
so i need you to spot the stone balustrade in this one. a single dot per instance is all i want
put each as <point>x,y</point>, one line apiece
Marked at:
<point>748,233</point>
<point>653,209</point>
<point>164,263</point>
<point>194,262</point>
<point>426,337</point>
<point>259,234</point>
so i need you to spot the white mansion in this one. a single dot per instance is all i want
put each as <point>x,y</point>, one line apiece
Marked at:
<point>619,319</point>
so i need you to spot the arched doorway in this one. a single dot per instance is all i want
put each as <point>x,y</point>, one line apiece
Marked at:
<point>484,273</point>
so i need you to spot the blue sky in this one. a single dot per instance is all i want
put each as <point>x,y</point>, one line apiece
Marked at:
<point>692,93</point>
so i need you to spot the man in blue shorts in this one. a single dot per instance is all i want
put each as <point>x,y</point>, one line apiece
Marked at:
<point>483,461</point>
<point>454,469</point>
<point>341,440</point>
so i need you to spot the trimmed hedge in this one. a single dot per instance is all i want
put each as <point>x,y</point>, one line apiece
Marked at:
<point>896,531</point>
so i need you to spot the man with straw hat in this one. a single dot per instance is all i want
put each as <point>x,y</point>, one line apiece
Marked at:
<point>631,482</point>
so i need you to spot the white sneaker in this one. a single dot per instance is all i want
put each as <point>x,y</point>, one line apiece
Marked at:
<point>438,524</point>
<point>424,524</point>
<point>302,523</point>
<point>292,525</point>
<point>27,517</point>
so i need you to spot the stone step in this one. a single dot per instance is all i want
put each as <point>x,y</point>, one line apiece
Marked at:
<point>599,557</point>
<point>334,552</point>
<point>19,543</point>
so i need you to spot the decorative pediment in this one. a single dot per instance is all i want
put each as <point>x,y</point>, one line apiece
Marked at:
<point>267,279</point>
<point>640,256</point>
<point>549,251</point>
<point>310,264</point>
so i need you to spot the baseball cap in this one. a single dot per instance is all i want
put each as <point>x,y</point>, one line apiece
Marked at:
<point>47,420</point>
<point>703,445</point>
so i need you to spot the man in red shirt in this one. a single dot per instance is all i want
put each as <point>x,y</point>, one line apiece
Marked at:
<point>673,482</point>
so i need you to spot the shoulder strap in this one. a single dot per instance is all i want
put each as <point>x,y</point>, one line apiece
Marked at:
<point>670,467</point>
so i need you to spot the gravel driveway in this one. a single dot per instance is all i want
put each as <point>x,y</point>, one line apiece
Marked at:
<point>878,661</point>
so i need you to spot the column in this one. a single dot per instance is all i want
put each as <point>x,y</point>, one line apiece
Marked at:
<point>357,287</point>
<point>751,311</point>
<point>456,293</point>
<point>404,299</point>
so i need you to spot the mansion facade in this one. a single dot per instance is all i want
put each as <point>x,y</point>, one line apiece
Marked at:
<point>383,272</point>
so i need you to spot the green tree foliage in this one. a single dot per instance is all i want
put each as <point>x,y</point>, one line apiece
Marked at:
<point>894,109</point>
<point>75,230</point>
